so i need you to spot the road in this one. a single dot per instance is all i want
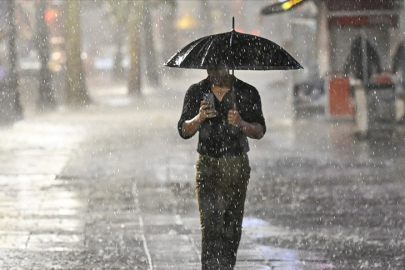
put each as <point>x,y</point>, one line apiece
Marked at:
<point>111,186</point>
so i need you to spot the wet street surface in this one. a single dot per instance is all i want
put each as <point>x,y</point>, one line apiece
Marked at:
<point>111,186</point>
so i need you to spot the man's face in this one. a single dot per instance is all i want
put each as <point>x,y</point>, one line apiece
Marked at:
<point>217,74</point>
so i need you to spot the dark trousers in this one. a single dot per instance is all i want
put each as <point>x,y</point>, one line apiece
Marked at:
<point>221,192</point>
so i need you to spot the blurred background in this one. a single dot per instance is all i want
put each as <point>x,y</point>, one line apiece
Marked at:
<point>52,50</point>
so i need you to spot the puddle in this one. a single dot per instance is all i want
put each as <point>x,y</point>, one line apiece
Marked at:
<point>253,222</point>
<point>257,228</point>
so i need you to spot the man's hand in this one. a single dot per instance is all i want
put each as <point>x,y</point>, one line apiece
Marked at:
<point>234,117</point>
<point>252,130</point>
<point>190,127</point>
<point>205,111</point>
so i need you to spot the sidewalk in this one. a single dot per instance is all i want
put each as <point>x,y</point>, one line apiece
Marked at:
<point>112,186</point>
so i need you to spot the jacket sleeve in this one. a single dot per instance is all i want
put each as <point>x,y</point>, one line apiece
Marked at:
<point>191,106</point>
<point>258,113</point>
<point>251,107</point>
<point>398,58</point>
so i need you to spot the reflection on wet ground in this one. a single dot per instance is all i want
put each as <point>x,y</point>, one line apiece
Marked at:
<point>340,196</point>
<point>38,211</point>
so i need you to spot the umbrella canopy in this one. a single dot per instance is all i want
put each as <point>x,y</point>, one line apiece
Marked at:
<point>238,51</point>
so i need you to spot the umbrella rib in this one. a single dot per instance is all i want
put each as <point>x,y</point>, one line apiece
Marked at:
<point>205,48</point>
<point>196,43</point>
<point>207,51</point>
<point>230,46</point>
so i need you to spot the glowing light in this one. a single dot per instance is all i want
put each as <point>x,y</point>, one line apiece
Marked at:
<point>290,3</point>
<point>50,14</point>
<point>187,22</point>
<point>255,32</point>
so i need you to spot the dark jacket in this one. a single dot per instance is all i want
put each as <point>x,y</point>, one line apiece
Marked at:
<point>216,136</point>
<point>399,59</point>
<point>354,62</point>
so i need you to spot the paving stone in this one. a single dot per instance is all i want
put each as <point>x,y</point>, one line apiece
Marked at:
<point>156,198</point>
<point>250,254</point>
<point>27,162</point>
<point>171,248</point>
<point>281,254</point>
<point>161,219</point>
<point>192,223</point>
<point>62,203</point>
<point>176,266</point>
<point>249,265</point>
<point>13,240</point>
<point>257,228</point>
<point>299,265</point>
<point>41,224</point>
<point>55,242</point>
<point>59,212</point>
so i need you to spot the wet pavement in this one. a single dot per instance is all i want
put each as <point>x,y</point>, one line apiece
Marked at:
<point>111,186</point>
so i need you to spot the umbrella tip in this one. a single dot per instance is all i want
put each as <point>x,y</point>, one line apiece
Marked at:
<point>233,23</point>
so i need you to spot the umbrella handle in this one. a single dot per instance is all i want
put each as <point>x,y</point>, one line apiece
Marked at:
<point>233,96</point>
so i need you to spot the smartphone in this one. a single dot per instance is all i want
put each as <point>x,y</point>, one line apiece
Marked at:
<point>210,98</point>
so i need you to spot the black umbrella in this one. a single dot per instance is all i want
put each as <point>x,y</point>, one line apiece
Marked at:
<point>238,51</point>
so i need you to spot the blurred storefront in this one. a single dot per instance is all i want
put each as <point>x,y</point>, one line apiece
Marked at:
<point>376,22</point>
<point>348,19</point>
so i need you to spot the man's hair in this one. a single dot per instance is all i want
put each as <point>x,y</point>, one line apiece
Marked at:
<point>217,66</point>
<point>215,63</point>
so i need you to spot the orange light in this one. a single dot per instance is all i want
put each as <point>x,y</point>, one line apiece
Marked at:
<point>50,15</point>
<point>255,32</point>
<point>187,22</point>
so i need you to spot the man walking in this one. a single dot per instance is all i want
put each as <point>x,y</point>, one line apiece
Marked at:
<point>223,169</point>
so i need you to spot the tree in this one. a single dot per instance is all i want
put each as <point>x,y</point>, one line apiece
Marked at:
<point>119,12</point>
<point>323,38</point>
<point>134,76</point>
<point>76,90</point>
<point>128,15</point>
<point>141,43</point>
<point>149,53</point>
<point>46,98</point>
<point>169,32</point>
<point>12,87</point>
